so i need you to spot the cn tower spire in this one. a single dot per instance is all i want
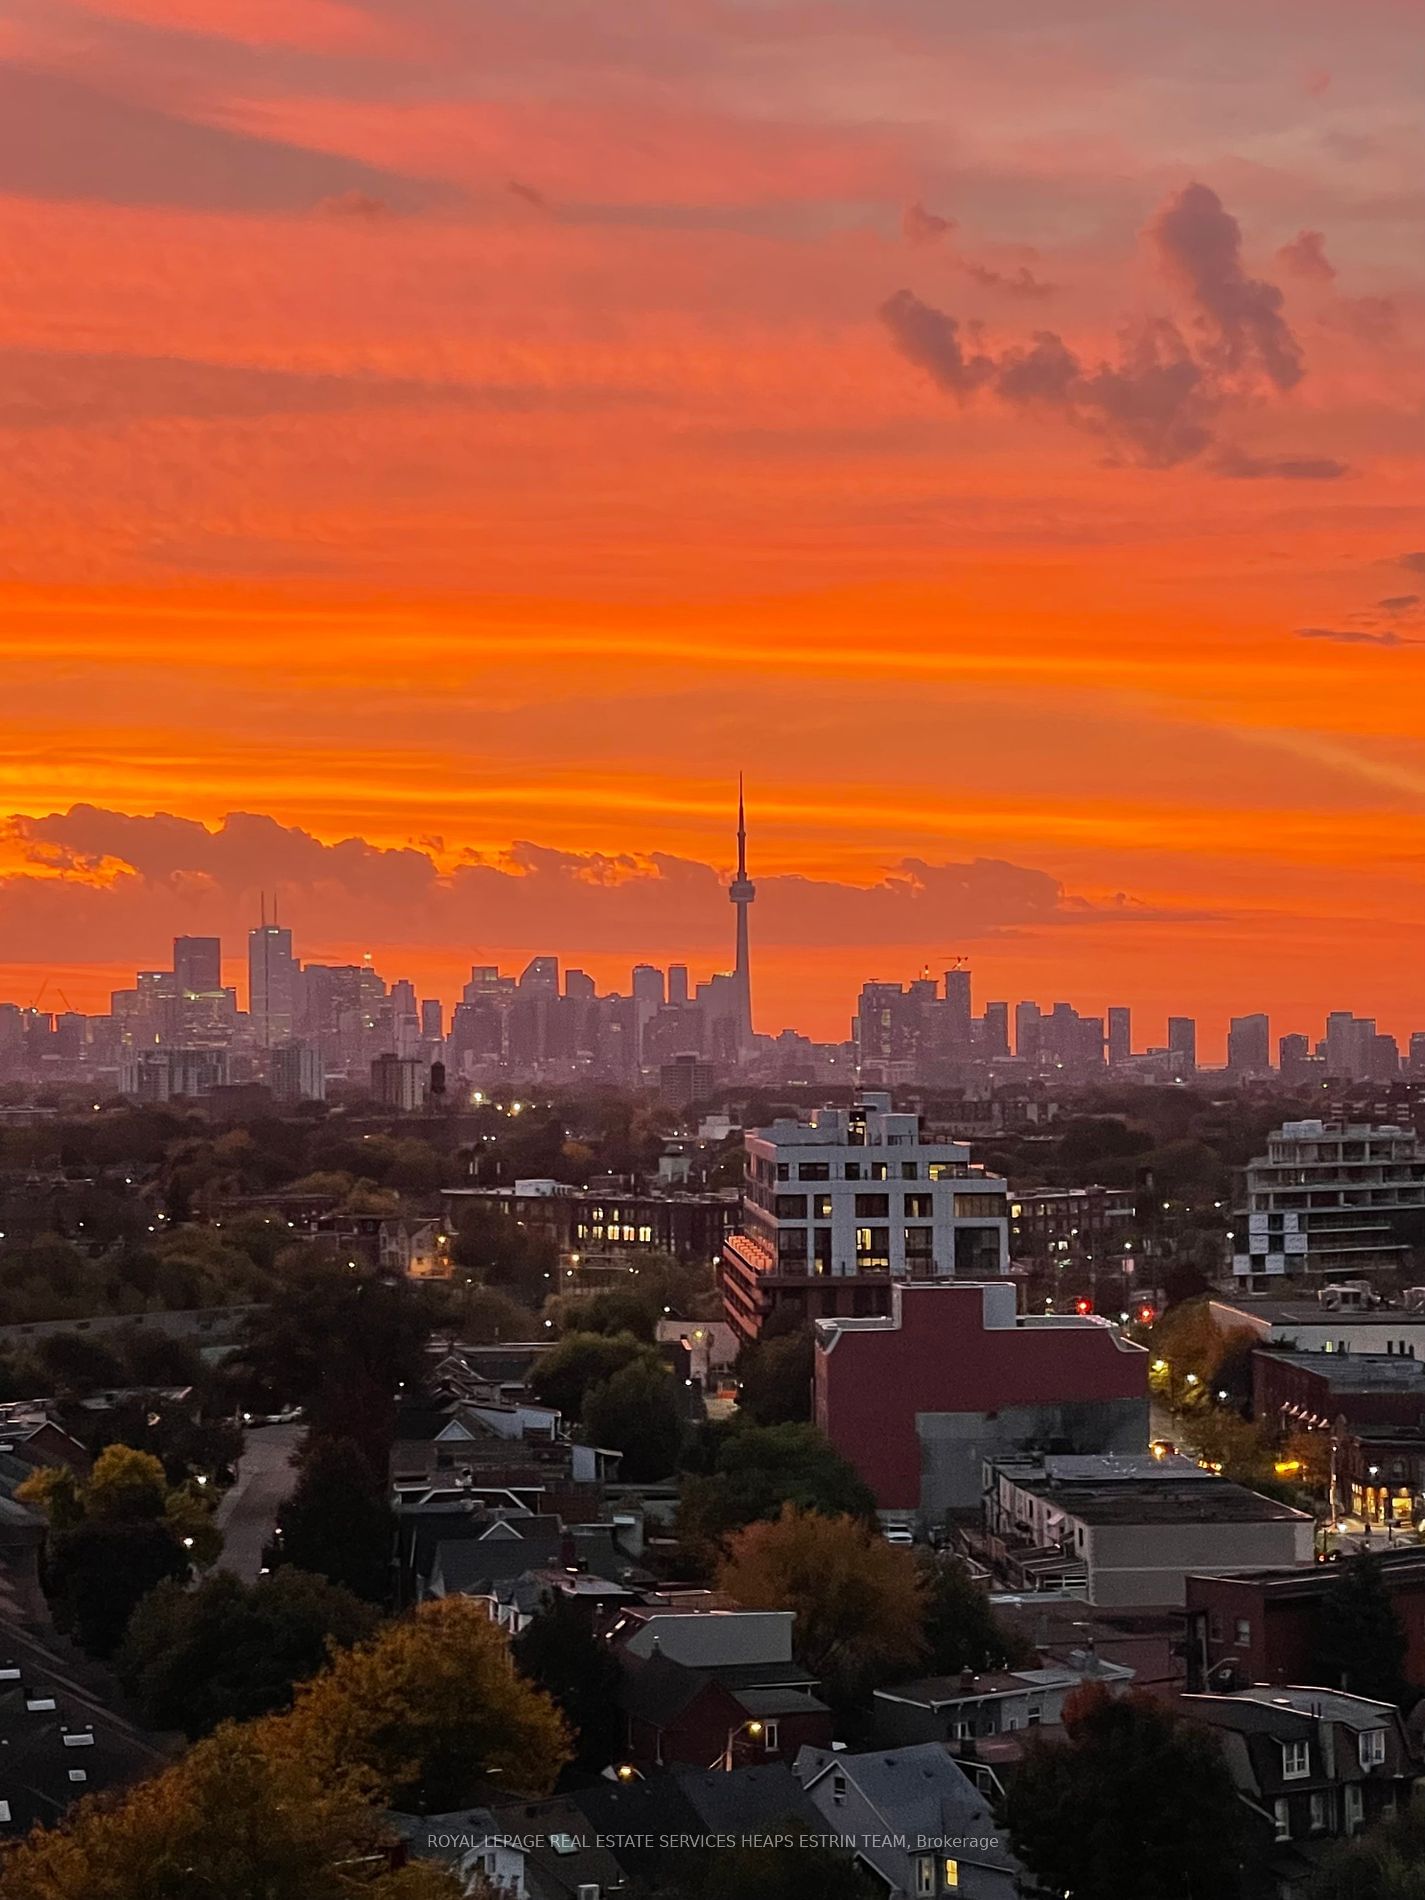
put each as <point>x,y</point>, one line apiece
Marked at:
<point>742,891</point>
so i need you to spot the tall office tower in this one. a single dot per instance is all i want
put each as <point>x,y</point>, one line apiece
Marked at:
<point>1182,1041</point>
<point>1027,1027</point>
<point>956,1039</point>
<point>1294,1057</point>
<point>994,1032</point>
<point>742,891</point>
<point>271,983</point>
<point>1415,1061</point>
<point>1249,1045</point>
<point>432,1019</point>
<point>678,983</point>
<point>197,965</point>
<point>540,977</point>
<point>1120,1035</point>
<point>647,985</point>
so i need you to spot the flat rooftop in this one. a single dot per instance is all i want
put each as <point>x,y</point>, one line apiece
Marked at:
<point>1157,1501</point>
<point>1355,1371</point>
<point>1313,1313</point>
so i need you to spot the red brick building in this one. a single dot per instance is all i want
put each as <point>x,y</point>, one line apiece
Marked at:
<point>1260,1626</point>
<point>1311,1391</point>
<point>918,1399</point>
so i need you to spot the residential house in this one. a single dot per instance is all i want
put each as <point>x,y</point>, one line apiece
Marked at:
<point>714,1687</point>
<point>962,1710</point>
<point>920,1824</point>
<point>1313,1766</point>
<point>1261,1626</point>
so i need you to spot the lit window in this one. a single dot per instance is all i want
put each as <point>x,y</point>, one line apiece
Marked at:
<point>769,1737</point>
<point>1296,1761</point>
<point>1242,1634</point>
<point>952,1875</point>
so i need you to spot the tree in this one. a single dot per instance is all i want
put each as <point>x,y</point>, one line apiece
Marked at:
<point>637,1413</point>
<point>620,1310</point>
<point>427,1710</point>
<point>240,1815</point>
<point>501,1252</point>
<point>775,1376</point>
<point>558,1652</point>
<point>859,1601</point>
<point>342,1345</point>
<point>231,1650</point>
<point>1133,1801</point>
<point>961,1629</point>
<point>1360,1641</point>
<point>1388,1863</point>
<point>97,1574</point>
<point>581,1360</point>
<point>114,1538</point>
<point>755,1470</point>
<point>337,1523</point>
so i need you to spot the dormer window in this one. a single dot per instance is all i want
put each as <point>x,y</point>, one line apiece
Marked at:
<point>1296,1761</point>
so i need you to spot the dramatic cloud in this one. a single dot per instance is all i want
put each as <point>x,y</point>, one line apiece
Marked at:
<point>1355,637</point>
<point>1305,257</point>
<point>1399,603</point>
<point>1158,404</point>
<point>919,226</point>
<point>1200,245</point>
<point>1240,466</point>
<point>130,882</point>
<point>1018,283</point>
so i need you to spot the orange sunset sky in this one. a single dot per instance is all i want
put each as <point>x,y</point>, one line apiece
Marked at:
<point>442,442</point>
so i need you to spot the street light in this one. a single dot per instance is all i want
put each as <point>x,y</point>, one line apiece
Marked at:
<point>753,1729</point>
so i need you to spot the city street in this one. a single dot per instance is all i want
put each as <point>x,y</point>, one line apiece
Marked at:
<point>251,1508</point>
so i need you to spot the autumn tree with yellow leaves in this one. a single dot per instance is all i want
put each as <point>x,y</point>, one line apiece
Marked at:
<point>288,1807</point>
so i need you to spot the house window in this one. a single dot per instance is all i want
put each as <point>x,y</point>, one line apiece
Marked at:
<point>961,1730</point>
<point>1320,1811</point>
<point>769,1736</point>
<point>1355,1807</point>
<point>1296,1761</point>
<point>1242,1633</point>
<point>1281,1814</point>
<point>1214,1626</point>
<point>838,1791</point>
<point>925,1874</point>
<point>952,1876</point>
<point>1372,1747</point>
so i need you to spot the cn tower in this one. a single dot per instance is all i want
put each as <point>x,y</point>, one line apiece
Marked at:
<point>742,891</point>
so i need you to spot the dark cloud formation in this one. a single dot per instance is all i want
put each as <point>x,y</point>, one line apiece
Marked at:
<point>1018,283</point>
<point>1200,245</point>
<point>1399,603</point>
<point>1241,466</point>
<point>359,205</point>
<point>1356,637</point>
<point>919,226</point>
<point>61,139</point>
<point>120,885</point>
<point>1412,563</point>
<point>528,194</point>
<point>1305,257</point>
<point>1159,402</point>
